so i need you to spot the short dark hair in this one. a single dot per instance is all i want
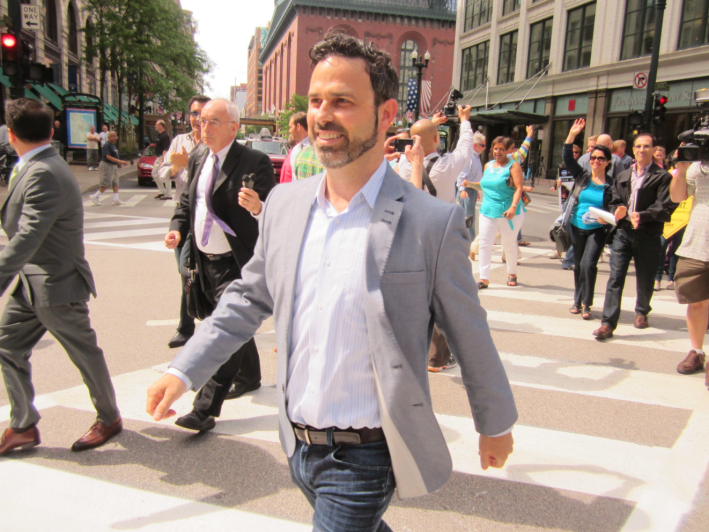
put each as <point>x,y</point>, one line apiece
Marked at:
<point>201,98</point>
<point>652,138</point>
<point>30,120</point>
<point>300,119</point>
<point>605,150</point>
<point>384,79</point>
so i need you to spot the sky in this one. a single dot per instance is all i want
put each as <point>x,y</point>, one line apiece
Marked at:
<point>224,29</point>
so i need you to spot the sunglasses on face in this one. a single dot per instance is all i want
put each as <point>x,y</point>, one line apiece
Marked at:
<point>577,152</point>
<point>598,158</point>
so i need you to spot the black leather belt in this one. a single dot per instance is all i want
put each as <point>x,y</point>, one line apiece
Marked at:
<point>217,257</point>
<point>313,436</point>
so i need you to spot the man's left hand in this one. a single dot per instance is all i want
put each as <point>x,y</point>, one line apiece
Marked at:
<point>494,451</point>
<point>439,118</point>
<point>250,201</point>
<point>635,219</point>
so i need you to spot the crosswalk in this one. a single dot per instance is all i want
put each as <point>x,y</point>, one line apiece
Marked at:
<point>118,230</point>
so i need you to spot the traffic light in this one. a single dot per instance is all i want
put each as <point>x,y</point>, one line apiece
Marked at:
<point>658,114</point>
<point>9,53</point>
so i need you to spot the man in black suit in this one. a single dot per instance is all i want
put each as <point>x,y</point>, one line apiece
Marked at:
<point>219,214</point>
<point>641,204</point>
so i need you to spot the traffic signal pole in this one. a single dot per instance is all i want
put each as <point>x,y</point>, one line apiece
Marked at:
<point>654,60</point>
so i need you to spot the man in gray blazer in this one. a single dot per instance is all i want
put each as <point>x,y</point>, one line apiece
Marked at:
<point>43,218</point>
<point>356,266</point>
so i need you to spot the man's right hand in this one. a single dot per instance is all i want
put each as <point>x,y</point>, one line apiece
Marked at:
<point>620,213</point>
<point>464,113</point>
<point>172,239</point>
<point>179,160</point>
<point>162,394</point>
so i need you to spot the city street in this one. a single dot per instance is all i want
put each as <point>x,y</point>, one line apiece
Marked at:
<point>610,438</point>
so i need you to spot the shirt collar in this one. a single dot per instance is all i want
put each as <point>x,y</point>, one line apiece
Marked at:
<point>641,170</point>
<point>431,156</point>
<point>221,154</point>
<point>22,161</point>
<point>369,191</point>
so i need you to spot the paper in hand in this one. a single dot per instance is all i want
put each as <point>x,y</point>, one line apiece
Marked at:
<point>604,215</point>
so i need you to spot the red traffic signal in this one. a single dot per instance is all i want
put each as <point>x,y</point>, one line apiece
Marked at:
<point>662,100</point>
<point>9,53</point>
<point>9,41</point>
<point>658,115</point>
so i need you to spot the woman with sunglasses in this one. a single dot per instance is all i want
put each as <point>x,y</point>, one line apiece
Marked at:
<point>587,233</point>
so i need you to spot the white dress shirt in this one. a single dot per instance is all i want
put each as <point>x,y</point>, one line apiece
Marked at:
<point>217,244</point>
<point>22,161</point>
<point>331,379</point>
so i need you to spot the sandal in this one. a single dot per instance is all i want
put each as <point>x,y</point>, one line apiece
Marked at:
<point>575,310</point>
<point>511,280</point>
<point>524,243</point>
<point>482,285</point>
<point>586,313</point>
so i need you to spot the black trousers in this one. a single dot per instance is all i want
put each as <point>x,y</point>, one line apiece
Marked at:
<point>244,367</point>
<point>186,325</point>
<point>588,246</point>
<point>644,250</point>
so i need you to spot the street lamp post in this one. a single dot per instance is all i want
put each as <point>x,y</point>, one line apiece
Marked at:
<point>419,65</point>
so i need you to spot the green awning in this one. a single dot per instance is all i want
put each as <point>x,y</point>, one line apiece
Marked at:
<point>5,80</point>
<point>50,95</point>
<point>60,90</point>
<point>508,116</point>
<point>109,114</point>
<point>31,95</point>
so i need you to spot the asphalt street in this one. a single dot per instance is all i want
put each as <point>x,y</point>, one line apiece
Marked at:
<point>610,438</point>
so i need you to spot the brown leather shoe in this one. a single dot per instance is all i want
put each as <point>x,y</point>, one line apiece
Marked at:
<point>603,332</point>
<point>692,364</point>
<point>97,435</point>
<point>13,440</point>
<point>641,321</point>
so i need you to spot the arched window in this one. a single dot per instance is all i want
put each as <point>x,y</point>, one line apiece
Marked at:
<point>51,27</point>
<point>88,35</point>
<point>406,72</point>
<point>71,30</point>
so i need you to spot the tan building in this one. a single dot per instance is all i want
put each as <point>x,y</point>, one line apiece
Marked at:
<point>254,82</point>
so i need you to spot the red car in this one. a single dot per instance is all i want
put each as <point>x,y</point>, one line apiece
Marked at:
<point>145,166</point>
<point>277,150</point>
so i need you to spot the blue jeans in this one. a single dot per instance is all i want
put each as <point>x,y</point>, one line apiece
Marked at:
<point>468,205</point>
<point>348,486</point>
<point>569,259</point>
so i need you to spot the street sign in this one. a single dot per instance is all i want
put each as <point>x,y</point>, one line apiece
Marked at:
<point>662,86</point>
<point>30,17</point>
<point>640,80</point>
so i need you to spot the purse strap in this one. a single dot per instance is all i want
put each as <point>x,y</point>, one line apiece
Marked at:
<point>427,180</point>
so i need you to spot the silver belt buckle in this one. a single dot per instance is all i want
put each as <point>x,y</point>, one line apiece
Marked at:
<point>307,436</point>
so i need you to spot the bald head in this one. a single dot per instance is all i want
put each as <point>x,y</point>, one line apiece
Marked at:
<point>605,140</point>
<point>428,132</point>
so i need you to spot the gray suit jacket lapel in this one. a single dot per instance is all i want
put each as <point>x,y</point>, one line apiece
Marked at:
<point>41,155</point>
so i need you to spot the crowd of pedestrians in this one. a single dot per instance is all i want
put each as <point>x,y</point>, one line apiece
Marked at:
<point>369,280</point>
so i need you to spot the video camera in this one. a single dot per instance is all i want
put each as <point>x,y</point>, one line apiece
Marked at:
<point>450,110</point>
<point>697,139</point>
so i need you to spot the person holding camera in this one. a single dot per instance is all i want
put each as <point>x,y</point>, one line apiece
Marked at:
<point>692,278</point>
<point>442,170</point>
<point>587,233</point>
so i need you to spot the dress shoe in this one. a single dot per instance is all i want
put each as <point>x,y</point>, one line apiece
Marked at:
<point>641,322</point>
<point>97,435</point>
<point>23,440</point>
<point>178,340</point>
<point>196,420</point>
<point>238,389</point>
<point>603,332</point>
<point>692,364</point>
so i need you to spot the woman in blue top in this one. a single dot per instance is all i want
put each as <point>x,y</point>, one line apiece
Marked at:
<point>501,210</point>
<point>587,234</point>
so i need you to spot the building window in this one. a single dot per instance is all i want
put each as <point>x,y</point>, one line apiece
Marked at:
<point>509,6</point>
<point>477,13</point>
<point>51,30</point>
<point>474,67</point>
<point>579,37</point>
<point>539,46</point>
<point>406,71</point>
<point>639,28</point>
<point>71,30</point>
<point>508,57</point>
<point>695,27</point>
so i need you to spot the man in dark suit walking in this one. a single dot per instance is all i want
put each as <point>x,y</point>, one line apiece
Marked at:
<point>641,203</point>
<point>219,213</point>
<point>44,220</point>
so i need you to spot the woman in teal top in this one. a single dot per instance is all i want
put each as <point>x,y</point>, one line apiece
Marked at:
<point>501,210</point>
<point>587,235</point>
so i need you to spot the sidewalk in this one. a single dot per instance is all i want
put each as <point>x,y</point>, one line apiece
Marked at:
<point>87,180</point>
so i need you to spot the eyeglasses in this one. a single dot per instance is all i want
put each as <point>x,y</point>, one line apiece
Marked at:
<point>213,122</point>
<point>598,158</point>
<point>194,114</point>
<point>576,152</point>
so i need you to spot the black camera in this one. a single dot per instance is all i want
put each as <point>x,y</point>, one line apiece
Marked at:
<point>450,110</point>
<point>248,181</point>
<point>696,140</point>
<point>400,144</point>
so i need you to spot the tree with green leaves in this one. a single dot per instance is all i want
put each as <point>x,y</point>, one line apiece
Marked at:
<point>296,104</point>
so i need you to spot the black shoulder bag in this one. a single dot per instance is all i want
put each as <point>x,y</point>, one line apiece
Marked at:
<point>559,235</point>
<point>198,306</point>
<point>427,180</point>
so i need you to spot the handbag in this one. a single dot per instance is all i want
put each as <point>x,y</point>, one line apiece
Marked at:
<point>198,306</point>
<point>526,200</point>
<point>156,167</point>
<point>558,234</point>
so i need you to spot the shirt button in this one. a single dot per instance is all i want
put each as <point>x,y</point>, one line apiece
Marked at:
<point>316,349</point>
<point>320,307</point>
<point>312,390</point>
<point>337,221</point>
<point>328,263</point>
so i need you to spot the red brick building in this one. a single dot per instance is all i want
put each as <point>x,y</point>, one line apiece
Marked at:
<point>254,77</point>
<point>397,26</point>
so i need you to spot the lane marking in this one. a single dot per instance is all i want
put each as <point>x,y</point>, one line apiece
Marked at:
<point>123,223</point>
<point>145,246</point>
<point>134,200</point>
<point>130,233</point>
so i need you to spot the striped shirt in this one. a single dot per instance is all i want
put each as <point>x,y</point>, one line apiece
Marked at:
<point>330,375</point>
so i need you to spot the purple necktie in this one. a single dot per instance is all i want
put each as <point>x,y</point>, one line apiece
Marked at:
<point>211,216</point>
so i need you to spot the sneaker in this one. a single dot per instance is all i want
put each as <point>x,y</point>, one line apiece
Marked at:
<point>670,285</point>
<point>96,201</point>
<point>554,255</point>
<point>437,369</point>
<point>118,202</point>
<point>658,286</point>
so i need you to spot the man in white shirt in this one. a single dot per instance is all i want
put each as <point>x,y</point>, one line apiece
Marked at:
<point>92,140</point>
<point>103,135</point>
<point>472,173</point>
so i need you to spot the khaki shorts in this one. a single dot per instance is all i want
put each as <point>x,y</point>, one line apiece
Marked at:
<point>692,281</point>
<point>107,175</point>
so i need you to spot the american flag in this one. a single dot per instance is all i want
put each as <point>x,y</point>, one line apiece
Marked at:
<point>411,98</point>
<point>425,98</point>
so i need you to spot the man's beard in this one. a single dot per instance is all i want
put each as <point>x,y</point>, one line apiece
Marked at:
<point>352,149</point>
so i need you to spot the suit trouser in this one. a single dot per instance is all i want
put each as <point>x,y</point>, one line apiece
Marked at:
<point>186,325</point>
<point>22,326</point>
<point>645,251</point>
<point>243,367</point>
<point>439,353</point>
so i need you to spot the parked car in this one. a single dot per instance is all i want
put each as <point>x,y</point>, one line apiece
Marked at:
<point>276,149</point>
<point>145,166</point>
